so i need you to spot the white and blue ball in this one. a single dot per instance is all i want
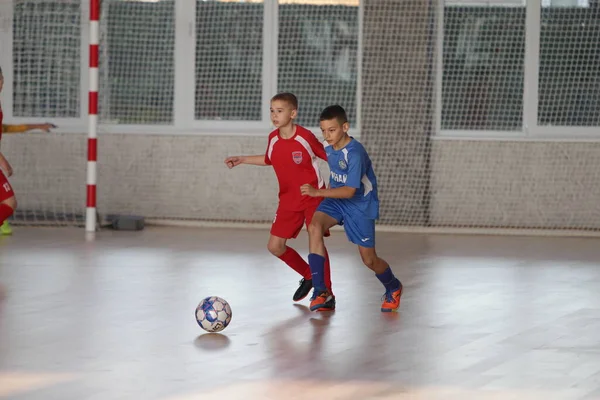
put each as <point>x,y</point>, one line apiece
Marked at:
<point>213,314</point>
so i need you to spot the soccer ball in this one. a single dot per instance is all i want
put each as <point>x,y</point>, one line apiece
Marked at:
<point>213,314</point>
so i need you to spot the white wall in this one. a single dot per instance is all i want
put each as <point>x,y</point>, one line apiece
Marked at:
<point>149,175</point>
<point>516,184</point>
<point>474,183</point>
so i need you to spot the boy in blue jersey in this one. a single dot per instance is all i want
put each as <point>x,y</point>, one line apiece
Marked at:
<point>350,201</point>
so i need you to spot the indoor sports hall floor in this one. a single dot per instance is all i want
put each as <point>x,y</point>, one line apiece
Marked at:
<point>482,318</point>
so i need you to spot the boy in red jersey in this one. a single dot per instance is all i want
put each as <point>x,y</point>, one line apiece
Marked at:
<point>292,151</point>
<point>8,203</point>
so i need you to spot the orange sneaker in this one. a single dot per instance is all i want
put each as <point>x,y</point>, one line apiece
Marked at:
<point>391,300</point>
<point>322,301</point>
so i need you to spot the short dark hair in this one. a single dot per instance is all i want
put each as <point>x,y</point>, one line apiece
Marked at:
<point>289,98</point>
<point>334,112</point>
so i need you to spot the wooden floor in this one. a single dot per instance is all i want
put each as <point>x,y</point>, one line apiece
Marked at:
<point>481,318</point>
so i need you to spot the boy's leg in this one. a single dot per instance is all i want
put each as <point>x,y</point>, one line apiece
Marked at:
<point>326,216</point>
<point>383,272</point>
<point>361,232</point>
<point>7,208</point>
<point>287,225</point>
<point>8,203</point>
<point>327,270</point>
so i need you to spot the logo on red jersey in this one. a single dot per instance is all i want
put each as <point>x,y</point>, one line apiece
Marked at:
<point>297,156</point>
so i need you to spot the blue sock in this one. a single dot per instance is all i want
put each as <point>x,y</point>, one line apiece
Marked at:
<point>388,280</point>
<point>317,269</point>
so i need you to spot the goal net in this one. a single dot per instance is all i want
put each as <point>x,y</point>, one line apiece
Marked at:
<point>476,114</point>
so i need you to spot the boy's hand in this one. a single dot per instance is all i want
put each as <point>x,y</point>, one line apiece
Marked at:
<point>308,190</point>
<point>234,161</point>
<point>46,127</point>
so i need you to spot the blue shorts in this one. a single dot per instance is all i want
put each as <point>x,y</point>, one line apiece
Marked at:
<point>359,230</point>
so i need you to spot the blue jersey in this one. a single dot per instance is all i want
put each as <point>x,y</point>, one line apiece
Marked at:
<point>351,166</point>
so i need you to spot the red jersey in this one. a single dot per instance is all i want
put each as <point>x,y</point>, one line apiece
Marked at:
<point>295,163</point>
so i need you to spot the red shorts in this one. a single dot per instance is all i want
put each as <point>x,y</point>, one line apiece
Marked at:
<point>288,224</point>
<point>6,191</point>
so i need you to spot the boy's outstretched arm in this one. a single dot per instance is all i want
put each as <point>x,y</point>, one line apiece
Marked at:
<point>8,129</point>
<point>234,161</point>
<point>344,192</point>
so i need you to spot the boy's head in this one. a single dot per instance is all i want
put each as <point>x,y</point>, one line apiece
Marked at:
<point>284,109</point>
<point>334,124</point>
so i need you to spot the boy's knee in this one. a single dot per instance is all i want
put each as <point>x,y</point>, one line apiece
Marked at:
<point>315,228</point>
<point>369,258</point>
<point>276,248</point>
<point>12,202</point>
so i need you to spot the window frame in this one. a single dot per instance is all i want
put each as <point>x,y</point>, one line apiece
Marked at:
<point>184,122</point>
<point>530,130</point>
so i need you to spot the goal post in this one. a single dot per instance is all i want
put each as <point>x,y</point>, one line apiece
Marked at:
<point>92,172</point>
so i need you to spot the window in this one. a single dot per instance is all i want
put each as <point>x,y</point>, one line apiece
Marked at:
<point>569,73</point>
<point>205,66</point>
<point>483,68</point>
<point>46,58</point>
<point>229,61</point>
<point>137,62</point>
<point>317,57</point>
